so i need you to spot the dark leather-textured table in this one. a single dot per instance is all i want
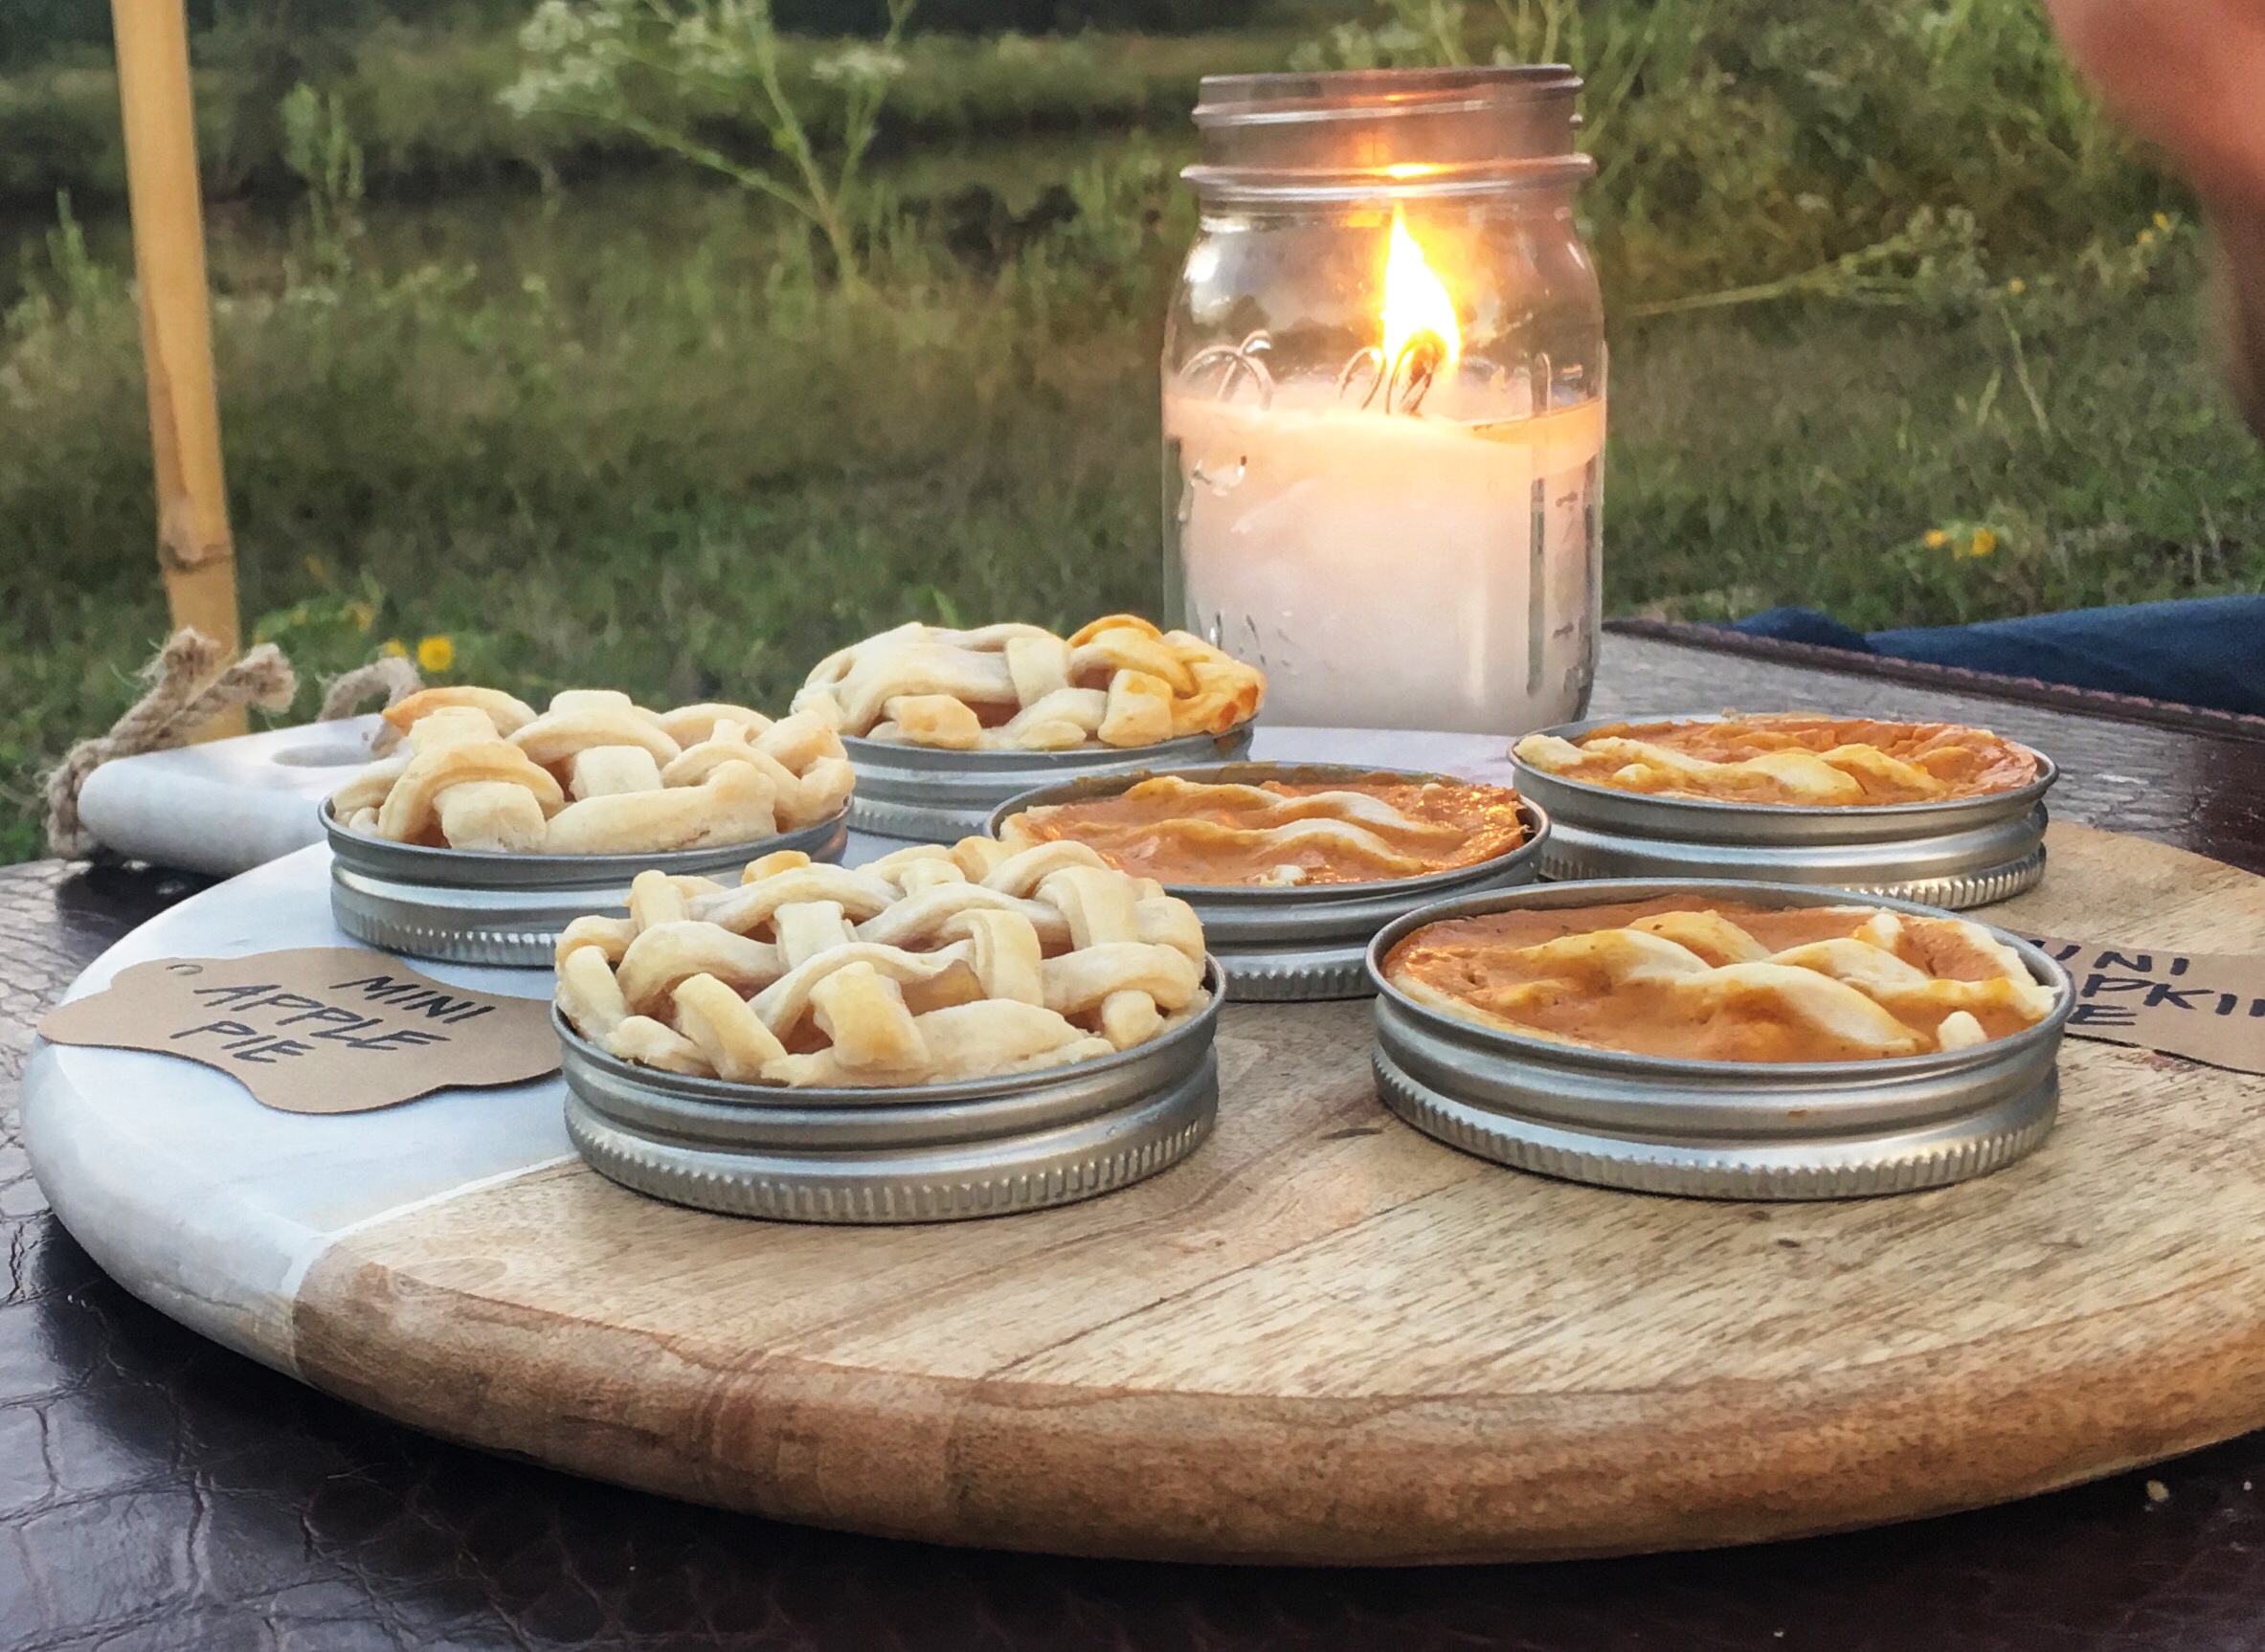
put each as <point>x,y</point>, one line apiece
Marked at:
<point>159,1492</point>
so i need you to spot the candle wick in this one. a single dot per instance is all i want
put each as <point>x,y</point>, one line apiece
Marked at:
<point>1370,357</point>
<point>1408,380</point>
<point>1413,373</point>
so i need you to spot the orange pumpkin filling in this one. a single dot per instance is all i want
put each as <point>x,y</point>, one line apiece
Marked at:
<point>1362,831</point>
<point>1709,981</point>
<point>1826,761</point>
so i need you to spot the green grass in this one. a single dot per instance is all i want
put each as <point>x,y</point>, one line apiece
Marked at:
<point>1805,459</point>
<point>684,469</point>
<point>422,104</point>
<point>682,466</point>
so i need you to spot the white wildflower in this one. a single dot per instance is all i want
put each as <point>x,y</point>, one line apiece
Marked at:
<point>555,27</point>
<point>858,65</point>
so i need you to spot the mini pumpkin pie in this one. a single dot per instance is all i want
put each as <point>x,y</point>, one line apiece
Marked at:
<point>926,966</point>
<point>1282,833</point>
<point>1805,761</point>
<point>593,774</point>
<point>1118,682</point>
<point>1724,982</point>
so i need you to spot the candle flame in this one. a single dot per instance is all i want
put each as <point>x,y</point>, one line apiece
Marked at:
<point>1416,301</point>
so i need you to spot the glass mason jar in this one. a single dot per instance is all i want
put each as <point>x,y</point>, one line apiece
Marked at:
<point>1385,398</point>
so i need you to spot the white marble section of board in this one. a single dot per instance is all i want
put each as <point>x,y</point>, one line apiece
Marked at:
<point>227,806</point>
<point>209,1206</point>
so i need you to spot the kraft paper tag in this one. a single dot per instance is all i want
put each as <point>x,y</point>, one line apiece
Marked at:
<point>318,1029</point>
<point>2204,1006</point>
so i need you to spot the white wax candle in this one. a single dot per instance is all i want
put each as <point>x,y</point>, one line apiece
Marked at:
<point>1391,571</point>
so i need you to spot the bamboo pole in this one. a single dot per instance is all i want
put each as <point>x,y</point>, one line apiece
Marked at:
<point>194,549</point>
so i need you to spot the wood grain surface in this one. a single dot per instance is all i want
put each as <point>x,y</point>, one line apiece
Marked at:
<point>1326,1338</point>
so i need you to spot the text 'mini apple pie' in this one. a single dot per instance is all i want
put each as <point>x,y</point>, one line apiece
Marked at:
<point>927,966</point>
<point>1792,759</point>
<point>1119,682</point>
<point>593,774</point>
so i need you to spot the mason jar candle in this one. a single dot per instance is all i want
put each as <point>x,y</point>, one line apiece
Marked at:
<point>1385,398</point>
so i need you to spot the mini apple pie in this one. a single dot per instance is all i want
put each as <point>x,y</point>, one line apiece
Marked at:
<point>1118,682</point>
<point>593,774</point>
<point>1708,981</point>
<point>1280,833</point>
<point>1817,762</point>
<point>926,966</point>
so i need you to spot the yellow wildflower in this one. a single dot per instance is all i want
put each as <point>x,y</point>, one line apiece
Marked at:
<point>1936,539</point>
<point>1983,543</point>
<point>2163,222</point>
<point>435,654</point>
<point>361,614</point>
<point>392,648</point>
<point>2017,286</point>
<point>2147,238</point>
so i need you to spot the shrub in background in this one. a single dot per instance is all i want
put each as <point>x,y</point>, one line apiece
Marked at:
<point>642,434</point>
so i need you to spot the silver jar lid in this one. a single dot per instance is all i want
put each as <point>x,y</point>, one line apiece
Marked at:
<point>1712,1130</point>
<point>470,906</point>
<point>1350,134</point>
<point>1960,853</point>
<point>1297,943</point>
<point>930,1152</point>
<point>931,795</point>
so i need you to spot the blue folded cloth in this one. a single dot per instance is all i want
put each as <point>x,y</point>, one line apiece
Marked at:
<point>2198,651</point>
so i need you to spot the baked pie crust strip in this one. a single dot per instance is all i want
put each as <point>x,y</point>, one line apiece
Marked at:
<point>1848,988</point>
<point>1119,682</point>
<point>594,775</point>
<point>927,966</point>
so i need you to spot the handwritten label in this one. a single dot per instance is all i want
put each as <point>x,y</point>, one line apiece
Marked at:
<point>317,1030</point>
<point>2207,1007</point>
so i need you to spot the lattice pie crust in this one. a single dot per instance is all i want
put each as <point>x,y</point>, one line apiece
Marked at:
<point>593,774</point>
<point>1695,982</point>
<point>1119,682</point>
<point>927,966</point>
<point>1282,834</point>
<point>1790,759</point>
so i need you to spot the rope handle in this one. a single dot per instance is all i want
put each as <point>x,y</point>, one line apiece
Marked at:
<point>190,683</point>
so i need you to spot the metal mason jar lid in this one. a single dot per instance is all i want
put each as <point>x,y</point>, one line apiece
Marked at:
<point>472,906</point>
<point>1964,852</point>
<point>1712,1130</point>
<point>929,1152</point>
<point>1286,944</point>
<point>1346,134</point>
<point>928,794</point>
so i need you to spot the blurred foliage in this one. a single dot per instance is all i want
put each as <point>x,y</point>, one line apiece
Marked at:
<point>1872,150</point>
<point>1925,345</point>
<point>423,103</point>
<point>2060,443</point>
<point>1849,150</point>
<point>31,30</point>
<point>642,67</point>
<point>688,468</point>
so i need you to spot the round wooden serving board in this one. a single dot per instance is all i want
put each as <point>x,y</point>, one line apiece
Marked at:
<point>1326,1338</point>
